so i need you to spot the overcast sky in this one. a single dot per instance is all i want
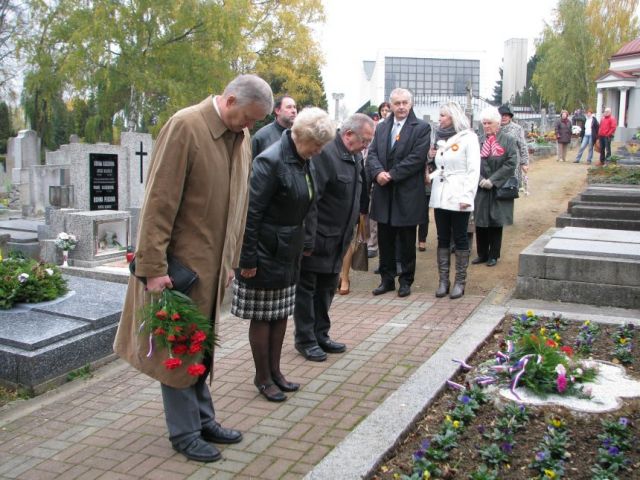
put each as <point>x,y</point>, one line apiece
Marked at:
<point>356,29</point>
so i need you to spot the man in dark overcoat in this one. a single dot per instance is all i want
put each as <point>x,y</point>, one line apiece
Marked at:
<point>285,111</point>
<point>195,206</point>
<point>329,230</point>
<point>396,163</point>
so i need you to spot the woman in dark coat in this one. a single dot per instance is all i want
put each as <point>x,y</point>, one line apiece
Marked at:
<point>281,193</point>
<point>563,135</point>
<point>498,160</point>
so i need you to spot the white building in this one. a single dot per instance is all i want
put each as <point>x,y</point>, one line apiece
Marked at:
<point>619,89</point>
<point>433,77</point>
<point>514,70</point>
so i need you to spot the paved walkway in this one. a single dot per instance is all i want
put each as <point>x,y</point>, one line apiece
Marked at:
<point>112,426</point>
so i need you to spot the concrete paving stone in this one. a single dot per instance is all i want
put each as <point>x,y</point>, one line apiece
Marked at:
<point>289,444</point>
<point>277,469</point>
<point>261,443</point>
<point>105,464</point>
<point>70,452</point>
<point>54,466</point>
<point>18,464</point>
<point>178,464</point>
<point>298,414</point>
<point>269,430</point>
<point>258,466</point>
<point>73,473</point>
<point>119,455</point>
<point>231,466</point>
<point>117,476</point>
<point>233,452</point>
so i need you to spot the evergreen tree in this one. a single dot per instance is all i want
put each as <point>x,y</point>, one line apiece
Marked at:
<point>5,126</point>
<point>497,90</point>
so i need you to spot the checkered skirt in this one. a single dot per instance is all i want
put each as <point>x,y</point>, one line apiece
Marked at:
<point>265,304</point>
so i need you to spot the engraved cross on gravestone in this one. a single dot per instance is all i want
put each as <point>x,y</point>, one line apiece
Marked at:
<point>141,153</point>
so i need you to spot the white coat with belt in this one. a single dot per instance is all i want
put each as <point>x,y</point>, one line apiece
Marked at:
<point>457,173</point>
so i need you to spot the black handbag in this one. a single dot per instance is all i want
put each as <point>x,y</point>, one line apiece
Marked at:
<point>183,278</point>
<point>509,190</point>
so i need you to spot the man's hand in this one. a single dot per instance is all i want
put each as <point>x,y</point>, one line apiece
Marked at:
<point>525,168</point>
<point>307,253</point>
<point>383,178</point>
<point>464,206</point>
<point>248,272</point>
<point>158,284</point>
<point>230,276</point>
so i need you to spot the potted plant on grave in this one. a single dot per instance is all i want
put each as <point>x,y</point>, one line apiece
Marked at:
<point>65,242</point>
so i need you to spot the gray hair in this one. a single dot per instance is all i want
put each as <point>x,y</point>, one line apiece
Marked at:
<point>356,123</point>
<point>491,114</point>
<point>458,118</point>
<point>400,91</point>
<point>314,124</point>
<point>250,89</point>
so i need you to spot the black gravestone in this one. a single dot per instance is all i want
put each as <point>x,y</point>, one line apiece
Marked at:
<point>103,181</point>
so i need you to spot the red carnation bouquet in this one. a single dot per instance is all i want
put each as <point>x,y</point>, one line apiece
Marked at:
<point>173,322</point>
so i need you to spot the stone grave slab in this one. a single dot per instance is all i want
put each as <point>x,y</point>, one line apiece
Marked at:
<point>593,247</point>
<point>621,236</point>
<point>592,272</point>
<point>43,344</point>
<point>30,330</point>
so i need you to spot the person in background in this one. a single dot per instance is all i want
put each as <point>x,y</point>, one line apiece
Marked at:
<point>328,234</point>
<point>508,126</point>
<point>194,208</point>
<point>281,193</point>
<point>285,112</point>
<point>371,226</point>
<point>396,163</point>
<point>606,132</point>
<point>563,135</point>
<point>498,160</point>
<point>588,135</point>
<point>454,185</point>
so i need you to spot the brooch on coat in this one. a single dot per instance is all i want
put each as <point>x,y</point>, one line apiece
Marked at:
<point>455,147</point>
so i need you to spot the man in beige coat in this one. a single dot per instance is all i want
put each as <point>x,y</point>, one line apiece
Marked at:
<point>195,205</point>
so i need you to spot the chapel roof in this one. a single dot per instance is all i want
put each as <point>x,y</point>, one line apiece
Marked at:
<point>631,48</point>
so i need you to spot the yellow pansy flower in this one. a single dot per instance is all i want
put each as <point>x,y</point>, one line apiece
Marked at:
<point>549,473</point>
<point>530,313</point>
<point>557,337</point>
<point>426,475</point>
<point>556,422</point>
<point>587,322</point>
<point>456,424</point>
<point>543,331</point>
<point>623,340</point>
<point>447,418</point>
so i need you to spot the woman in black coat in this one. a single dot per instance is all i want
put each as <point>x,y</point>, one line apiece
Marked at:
<point>498,160</point>
<point>264,288</point>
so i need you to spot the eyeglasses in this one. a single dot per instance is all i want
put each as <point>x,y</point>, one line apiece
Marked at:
<point>365,142</point>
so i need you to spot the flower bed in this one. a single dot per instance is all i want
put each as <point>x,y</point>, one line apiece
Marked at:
<point>27,281</point>
<point>503,440</point>
<point>615,174</point>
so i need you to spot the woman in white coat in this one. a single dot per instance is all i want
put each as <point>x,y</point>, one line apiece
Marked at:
<point>453,189</point>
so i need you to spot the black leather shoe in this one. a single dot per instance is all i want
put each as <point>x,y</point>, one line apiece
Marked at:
<point>332,347</point>
<point>478,260</point>
<point>313,353</point>
<point>216,433</point>
<point>382,288</point>
<point>372,253</point>
<point>286,386</point>
<point>199,450</point>
<point>492,262</point>
<point>404,291</point>
<point>270,394</point>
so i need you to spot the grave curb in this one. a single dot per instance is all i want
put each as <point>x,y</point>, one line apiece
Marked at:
<point>366,447</point>
<point>362,451</point>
